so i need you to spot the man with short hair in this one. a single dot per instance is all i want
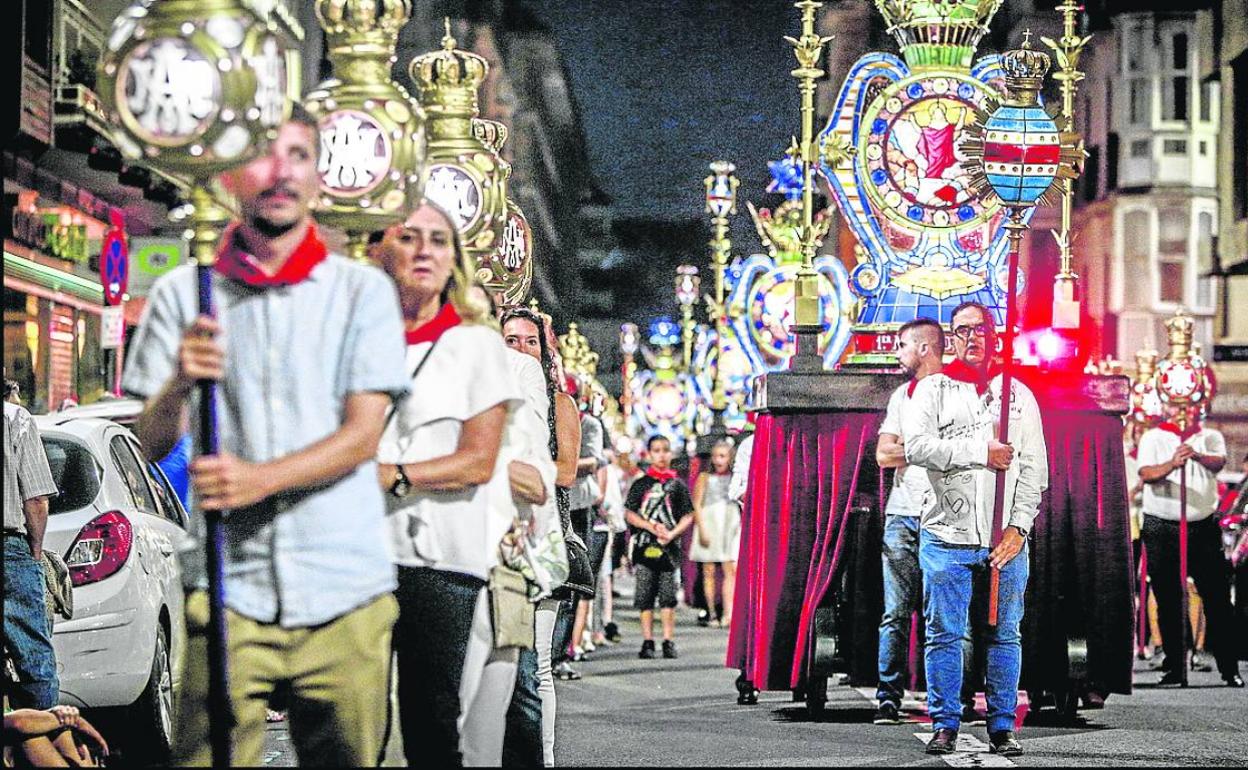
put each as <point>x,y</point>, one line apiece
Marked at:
<point>28,484</point>
<point>312,357</point>
<point>949,427</point>
<point>920,346</point>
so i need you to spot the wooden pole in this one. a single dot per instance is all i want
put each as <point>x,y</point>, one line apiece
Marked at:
<point>1015,228</point>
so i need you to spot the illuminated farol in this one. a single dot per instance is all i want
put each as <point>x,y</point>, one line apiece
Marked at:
<point>662,397</point>
<point>194,88</point>
<point>928,242</point>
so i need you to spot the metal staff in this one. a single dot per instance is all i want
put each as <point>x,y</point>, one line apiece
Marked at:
<point>206,223</point>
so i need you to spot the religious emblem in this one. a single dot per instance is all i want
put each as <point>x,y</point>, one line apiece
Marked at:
<point>355,153</point>
<point>1184,382</point>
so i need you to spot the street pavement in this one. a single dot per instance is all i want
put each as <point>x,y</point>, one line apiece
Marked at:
<point>683,712</point>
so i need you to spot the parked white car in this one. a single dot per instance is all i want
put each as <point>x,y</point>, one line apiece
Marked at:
<point>118,524</point>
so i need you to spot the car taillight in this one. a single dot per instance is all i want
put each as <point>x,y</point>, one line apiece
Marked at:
<point>101,548</point>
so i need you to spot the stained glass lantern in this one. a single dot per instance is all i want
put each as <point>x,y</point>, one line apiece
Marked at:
<point>721,189</point>
<point>1017,151</point>
<point>688,285</point>
<point>195,87</point>
<point>629,338</point>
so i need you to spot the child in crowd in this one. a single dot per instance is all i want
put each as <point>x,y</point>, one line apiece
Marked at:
<point>658,511</point>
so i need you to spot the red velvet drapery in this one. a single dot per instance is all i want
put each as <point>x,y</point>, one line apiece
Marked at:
<point>804,481</point>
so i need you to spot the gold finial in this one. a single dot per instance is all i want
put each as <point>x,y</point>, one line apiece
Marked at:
<point>448,40</point>
<point>578,358</point>
<point>1180,329</point>
<point>1027,38</point>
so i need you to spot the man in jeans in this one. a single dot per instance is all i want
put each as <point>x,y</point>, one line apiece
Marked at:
<point>27,633</point>
<point>308,349</point>
<point>949,427</point>
<point>921,343</point>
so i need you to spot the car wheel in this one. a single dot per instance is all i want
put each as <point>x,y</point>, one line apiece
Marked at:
<point>151,718</point>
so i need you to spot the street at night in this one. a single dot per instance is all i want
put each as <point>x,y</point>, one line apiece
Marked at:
<point>542,383</point>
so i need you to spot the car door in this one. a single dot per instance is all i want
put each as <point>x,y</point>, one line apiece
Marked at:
<point>166,527</point>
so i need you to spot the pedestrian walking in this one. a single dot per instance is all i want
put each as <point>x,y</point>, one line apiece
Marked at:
<point>530,732</point>
<point>948,428</point>
<point>658,511</point>
<point>585,498</point>
<point>28,484</point>
<point>438,458</point>
<point>717,527</point>
<point>1163,451</point>
<point>307,349</point>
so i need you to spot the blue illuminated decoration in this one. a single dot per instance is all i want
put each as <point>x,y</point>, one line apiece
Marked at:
<point>786,177</point>
<point>664,331</point>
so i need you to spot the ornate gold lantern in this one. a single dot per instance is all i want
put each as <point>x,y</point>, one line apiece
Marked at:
<point>509,270</point>
<point>372,131</point>
<point>464,173</point>
<point>1183,381</point>
<point>194,86</point>
<point>688,287</point>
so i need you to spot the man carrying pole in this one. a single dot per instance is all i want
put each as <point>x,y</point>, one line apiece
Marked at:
<point>307,348</point>
<point>949,426</point>
<point>1179,469</point>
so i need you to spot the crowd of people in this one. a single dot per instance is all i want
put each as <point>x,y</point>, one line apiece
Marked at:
<point>418,492</point>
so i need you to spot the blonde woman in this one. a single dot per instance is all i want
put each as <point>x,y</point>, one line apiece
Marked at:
<point>438,459</point>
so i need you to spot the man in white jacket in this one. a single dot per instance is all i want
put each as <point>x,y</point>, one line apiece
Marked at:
<point>949,427</point>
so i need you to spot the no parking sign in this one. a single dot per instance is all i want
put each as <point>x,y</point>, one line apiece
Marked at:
<point>115,262</point>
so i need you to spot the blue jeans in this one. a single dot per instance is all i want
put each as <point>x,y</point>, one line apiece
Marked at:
<point>948,577</point>
<point>522,745</point>
<point>27,629</point>
<point>903,584</point>
<point>903,595</point>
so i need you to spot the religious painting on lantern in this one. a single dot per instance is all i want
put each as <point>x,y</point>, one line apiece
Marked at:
<point>912,155</point>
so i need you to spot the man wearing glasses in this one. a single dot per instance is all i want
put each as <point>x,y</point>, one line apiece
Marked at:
<point>949,427</point>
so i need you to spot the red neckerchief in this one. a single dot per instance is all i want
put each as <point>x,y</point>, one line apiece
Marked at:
<point>910,386</point>
<point>1183,435</point>
<point>960,371</point>
<point>661,476</point>
<point>233,262</point>
<point>429,331</point>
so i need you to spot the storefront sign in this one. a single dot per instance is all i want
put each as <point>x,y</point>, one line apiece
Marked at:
<point>150,258</point>
<point>48,232</point>
<point>1230,353</point>
<point>112,327</point>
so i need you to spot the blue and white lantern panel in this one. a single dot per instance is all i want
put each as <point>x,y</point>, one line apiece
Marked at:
<point>1022,151</point>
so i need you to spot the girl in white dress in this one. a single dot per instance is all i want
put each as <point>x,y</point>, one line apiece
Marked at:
<point>717,518</point>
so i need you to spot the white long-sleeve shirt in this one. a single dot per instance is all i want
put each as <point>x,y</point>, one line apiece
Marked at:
<point>946,427</point>
<point>741,469</point>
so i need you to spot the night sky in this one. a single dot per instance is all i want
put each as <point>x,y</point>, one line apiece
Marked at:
<point>666,87</point>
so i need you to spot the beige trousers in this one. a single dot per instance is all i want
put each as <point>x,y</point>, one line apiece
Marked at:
<point>338,675</point>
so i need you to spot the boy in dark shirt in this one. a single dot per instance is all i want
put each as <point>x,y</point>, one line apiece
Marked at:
<point>658,511</point>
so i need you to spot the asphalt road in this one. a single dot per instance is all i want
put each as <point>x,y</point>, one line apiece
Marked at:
<point>683,712</point>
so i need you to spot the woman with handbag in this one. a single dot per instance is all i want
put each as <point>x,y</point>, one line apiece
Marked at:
<point>530,740</point>
<point>438,462</point>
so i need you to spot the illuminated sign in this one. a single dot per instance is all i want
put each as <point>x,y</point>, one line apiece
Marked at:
<point>48,232</point>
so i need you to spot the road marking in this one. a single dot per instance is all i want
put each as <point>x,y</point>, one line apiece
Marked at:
<point>972,752</point>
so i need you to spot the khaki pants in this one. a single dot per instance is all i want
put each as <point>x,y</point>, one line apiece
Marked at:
<point>338,675</point>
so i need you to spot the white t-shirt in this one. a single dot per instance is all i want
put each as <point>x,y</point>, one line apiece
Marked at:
<point>1161,499</point>
<point>467,374</point>
<point>912,490</point>
<point>526,438</point>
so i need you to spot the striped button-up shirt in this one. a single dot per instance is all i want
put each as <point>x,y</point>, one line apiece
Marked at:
<point>26,471</point>
<point>292,356</point>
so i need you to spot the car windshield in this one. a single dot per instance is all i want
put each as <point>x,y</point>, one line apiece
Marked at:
<point>75,472</point>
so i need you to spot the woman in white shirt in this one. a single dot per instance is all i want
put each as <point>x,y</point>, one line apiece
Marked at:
<point>438,459</point>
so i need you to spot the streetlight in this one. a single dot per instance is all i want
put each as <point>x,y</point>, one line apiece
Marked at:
<point>721,200</point>
<point>688,287</point>
<point>629,341</point>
